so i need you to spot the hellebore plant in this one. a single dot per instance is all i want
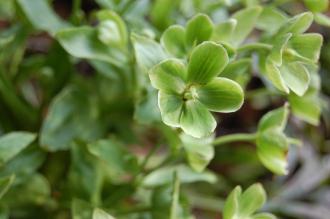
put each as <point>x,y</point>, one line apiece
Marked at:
<point>112,112</point>
<point>187,94</point>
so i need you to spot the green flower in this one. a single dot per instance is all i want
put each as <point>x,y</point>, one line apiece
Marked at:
<point>187,94</point>
<point>292,54</point>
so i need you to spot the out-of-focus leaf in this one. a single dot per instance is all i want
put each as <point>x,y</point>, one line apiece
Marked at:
<point>147,52</point>
<point>307,45</point>
<point>83,42</point>
<point>246,20</point>
<point>317,5</point>
<point>174,41</point>
<point>81,209</point>
<point>5,183</point>
<point>100,214</point>
<point>223,31</point>
<point>185,174</point>
<point>297,24</point>
<point>13,143</point>
<point>63,124</point>
<point>322,19</point>
<point>42,16</point>
<point>271,19</point>
<point>238,71</point>
<point>198,151</point>
<point>199,29</point>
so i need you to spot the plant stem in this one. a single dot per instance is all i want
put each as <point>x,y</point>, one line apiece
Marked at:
<point>254,46</point>
<point>234,137</point>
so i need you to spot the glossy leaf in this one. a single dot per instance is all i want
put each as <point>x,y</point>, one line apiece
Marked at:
<point>206,62</point>
<point>13,143</point>
<point>169,76</point>
<point>196,120</point>
<point>221,95</point>
<point>198,30</point>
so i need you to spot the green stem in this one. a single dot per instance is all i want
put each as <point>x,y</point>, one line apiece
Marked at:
<point>234,138</point>
<point>255,46</point>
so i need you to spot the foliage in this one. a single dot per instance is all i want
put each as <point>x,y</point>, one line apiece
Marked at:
<point>110,109</point>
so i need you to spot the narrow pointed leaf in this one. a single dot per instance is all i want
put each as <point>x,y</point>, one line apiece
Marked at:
<point>221,95</point>
<point>198,29</point>
<point>173,40</point>
<point>170,106</point>
<point>206,62</point>
<point>169,75</point>
<point>196,120</point>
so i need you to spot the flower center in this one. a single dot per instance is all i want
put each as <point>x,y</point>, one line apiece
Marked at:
<point>190,93</point>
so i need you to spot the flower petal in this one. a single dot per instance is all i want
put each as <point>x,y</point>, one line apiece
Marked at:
<point>196,120</point>
<point>206,62</point>
<point>221,95</point>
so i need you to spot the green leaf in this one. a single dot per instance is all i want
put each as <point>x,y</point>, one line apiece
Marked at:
<point>322,19</point>
<point>296,77</point>
<point>206,62</point>
<point>274,75</point>
<point>169,76</point>
<point>251,200</point>
<point>42,16</point>
<point>13,143</point>
<point>280,44</point>
<point>63,124</point>
<point>317,5</point>
<point>271,149</point>
<point>175,205</point>
<point>198,29</point>
<point>5,183</point>
<point>275,119</point>
<point>298,24</point>
<point>231,207</point>
<point>196,120</point>
<point>173,40</point>
<point>264,216</point>
<point>147,52</point>
<point>271,19</point>
<point>198,151</point>
<point>81,209</point>
<point>307,45</point>
<point>112,28</point>
<point>223,31</point>
<point>185,174</point>
<point>307,107</point>
<point>221,95</point>
<point>100,214</point>
<point>115,156</point>
<point>238,71</point>
<point>83,42</point>
<point>170,106</point>
<point>246,20</point>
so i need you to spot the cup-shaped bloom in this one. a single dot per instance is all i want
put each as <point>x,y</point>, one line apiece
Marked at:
<point>187,94</point>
